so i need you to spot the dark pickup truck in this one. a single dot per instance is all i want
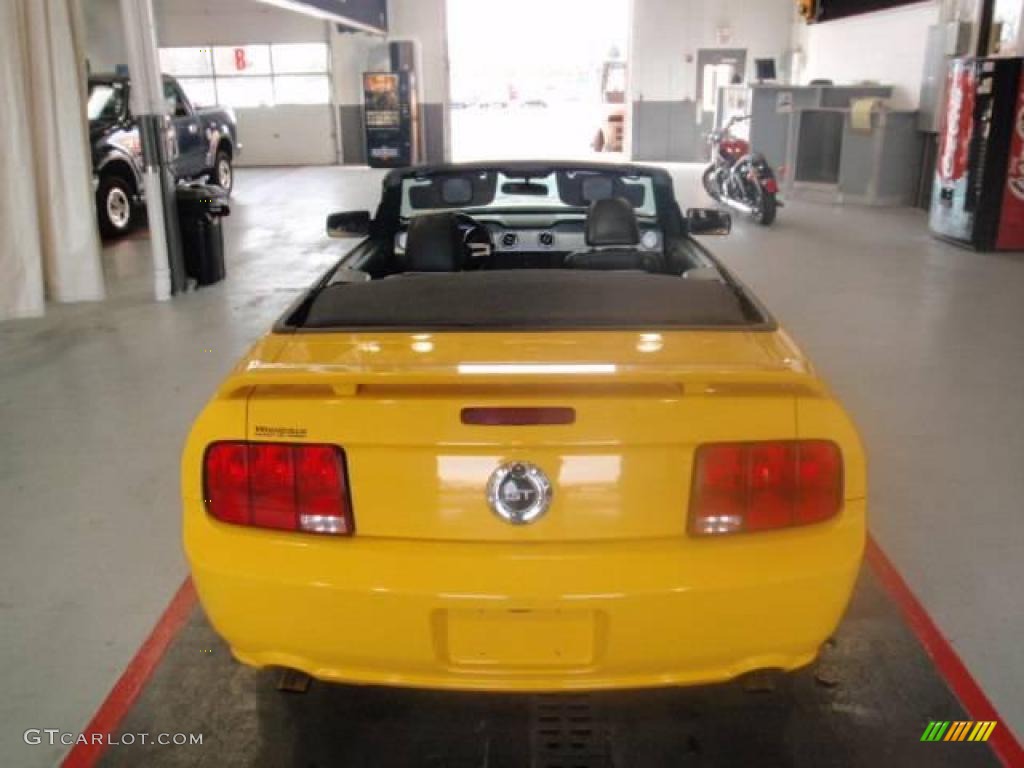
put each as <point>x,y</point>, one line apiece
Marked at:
<point>204,142</point>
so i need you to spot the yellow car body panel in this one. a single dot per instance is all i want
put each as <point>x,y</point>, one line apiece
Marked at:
<point>607,590</point>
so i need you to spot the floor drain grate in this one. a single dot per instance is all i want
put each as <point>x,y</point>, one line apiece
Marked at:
<point>566,732</point>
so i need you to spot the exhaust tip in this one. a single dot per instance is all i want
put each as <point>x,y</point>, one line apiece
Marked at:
<point>768,680</point>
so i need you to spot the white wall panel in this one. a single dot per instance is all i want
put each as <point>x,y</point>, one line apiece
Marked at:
<point>287,135</point>
<point>887,46</point>
<point>425,21</point>
<point>666,32</point>
<point>351,55</point>
<point>105,46</point>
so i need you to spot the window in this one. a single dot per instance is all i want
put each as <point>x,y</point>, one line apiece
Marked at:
<point>300,73</point>
<point>200,91</point>
<point>563,192</point>
<point>299,58</point>
<point>245,91</point>
<point>715,76</point>
<point>301,89</point>
<point>175,106</point>
<point>186,62</point>
<point>106,101</point>
<point>616,82</point>
<point>251,75</point>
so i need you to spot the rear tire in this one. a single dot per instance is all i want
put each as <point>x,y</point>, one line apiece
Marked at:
<point>114,207</point>
<point>766,208</point>
<point>223,174</point>
<point>710,185</point>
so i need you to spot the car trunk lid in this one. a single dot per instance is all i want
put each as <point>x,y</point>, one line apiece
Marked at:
<point>620,467</point>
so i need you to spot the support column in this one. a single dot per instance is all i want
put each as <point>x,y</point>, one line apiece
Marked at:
<point>150,109</point>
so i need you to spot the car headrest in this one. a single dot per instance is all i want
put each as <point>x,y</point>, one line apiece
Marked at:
<point>433,244</point>
<point>611,221</point>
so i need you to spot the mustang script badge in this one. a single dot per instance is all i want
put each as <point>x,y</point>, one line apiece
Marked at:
<point>519,493</point>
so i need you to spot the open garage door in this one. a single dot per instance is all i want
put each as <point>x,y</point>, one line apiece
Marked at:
<point>538,79</point>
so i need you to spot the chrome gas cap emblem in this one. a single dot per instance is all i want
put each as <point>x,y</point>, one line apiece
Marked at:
<point>519,493</point>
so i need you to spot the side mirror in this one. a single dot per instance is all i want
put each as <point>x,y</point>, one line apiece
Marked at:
<point>349,224</point>
<point>708,221</point>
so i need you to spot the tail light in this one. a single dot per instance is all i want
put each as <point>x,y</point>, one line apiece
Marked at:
<point>287,486</point>
<point>771,185</point>
<point>740,487</point>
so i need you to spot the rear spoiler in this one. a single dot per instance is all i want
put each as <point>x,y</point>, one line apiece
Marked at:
<point>346,381</point>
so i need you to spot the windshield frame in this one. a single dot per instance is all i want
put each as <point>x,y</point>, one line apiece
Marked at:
<point>504,203</point>
<point>387,220</point>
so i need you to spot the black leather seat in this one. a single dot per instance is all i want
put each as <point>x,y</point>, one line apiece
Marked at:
<point>613,235</point>
<point>433,244</point>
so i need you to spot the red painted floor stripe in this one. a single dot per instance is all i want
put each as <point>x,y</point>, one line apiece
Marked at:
<point>134,678</point>
<point>956,674</point>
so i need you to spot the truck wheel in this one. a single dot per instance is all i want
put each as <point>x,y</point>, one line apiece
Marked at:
<point>223,173</point>
<point>114,206</point>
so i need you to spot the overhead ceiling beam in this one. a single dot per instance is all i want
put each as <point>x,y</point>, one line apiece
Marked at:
<point>364,15</point>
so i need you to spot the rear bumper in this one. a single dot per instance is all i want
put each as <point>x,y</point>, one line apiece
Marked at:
<point>525,617</point>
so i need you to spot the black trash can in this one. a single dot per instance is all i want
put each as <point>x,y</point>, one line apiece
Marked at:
<point>200,210</point>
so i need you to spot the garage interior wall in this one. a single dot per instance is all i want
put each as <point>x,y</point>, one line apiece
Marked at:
<point>426,23</point>
<point>105,44</point>
<point>48,242</point>
<point>886,46</point>
<point>667,35</point>
<point>353,53</point>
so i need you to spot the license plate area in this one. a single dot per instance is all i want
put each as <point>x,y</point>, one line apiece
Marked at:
<point>520,639</point>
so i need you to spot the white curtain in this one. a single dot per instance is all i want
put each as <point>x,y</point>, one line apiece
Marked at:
<point>49,246</point>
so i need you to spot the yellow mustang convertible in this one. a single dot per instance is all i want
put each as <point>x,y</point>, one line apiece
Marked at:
<point>528,435</point>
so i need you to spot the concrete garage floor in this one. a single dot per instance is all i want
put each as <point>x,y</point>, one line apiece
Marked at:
<point>95,403</point>
<point>923,342</point>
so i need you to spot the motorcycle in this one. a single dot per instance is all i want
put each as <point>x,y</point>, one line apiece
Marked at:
<point>740,178</point>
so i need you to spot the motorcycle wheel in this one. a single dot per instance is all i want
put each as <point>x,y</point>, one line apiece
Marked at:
<point>710,185</point>
<point>765,208</point>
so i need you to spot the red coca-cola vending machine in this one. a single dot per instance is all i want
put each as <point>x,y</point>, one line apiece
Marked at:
<point>978,195</point>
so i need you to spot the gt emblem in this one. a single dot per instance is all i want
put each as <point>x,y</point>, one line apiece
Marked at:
<point>519,493</point>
